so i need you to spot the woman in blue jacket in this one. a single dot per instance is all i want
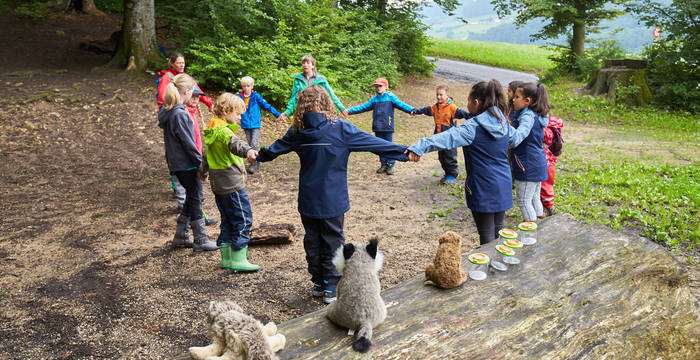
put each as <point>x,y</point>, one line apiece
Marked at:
<point>323,144</point>
<point>529,163</point>
<point>484,137</point>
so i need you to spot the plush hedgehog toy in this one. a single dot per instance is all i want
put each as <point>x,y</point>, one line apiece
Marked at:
<point>446,270</point>
<point>359,306</point>
<point>238,336</point>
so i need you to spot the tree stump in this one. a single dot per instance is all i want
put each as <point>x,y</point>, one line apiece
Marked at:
<point>581,292</point>
<point>621,73</point>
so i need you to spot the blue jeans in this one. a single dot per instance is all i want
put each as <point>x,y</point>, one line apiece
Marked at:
<point>236,219</point>
<point>388,136</point>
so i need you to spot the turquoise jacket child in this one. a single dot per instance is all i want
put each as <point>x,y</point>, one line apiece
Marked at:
<point>300,84</point>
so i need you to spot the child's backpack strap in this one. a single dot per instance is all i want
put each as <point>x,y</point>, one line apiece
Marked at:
<point>170,75</point>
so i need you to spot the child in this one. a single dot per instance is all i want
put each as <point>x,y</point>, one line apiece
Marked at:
<point>323,144</point>
<point>223,161</point>
<point>512,86</point>
<point>547,191</point>
<point>488,188</point>
<point>444,112</point>
<point>529,163</point>
<point>183,160</point>
<point>250,120</point>
<point>382,105</point>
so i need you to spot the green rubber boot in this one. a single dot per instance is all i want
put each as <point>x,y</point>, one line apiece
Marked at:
<point>225,256</point>
<point>239,261</point>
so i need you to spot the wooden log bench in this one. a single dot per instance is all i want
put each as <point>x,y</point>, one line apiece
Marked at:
<point>582,292</point>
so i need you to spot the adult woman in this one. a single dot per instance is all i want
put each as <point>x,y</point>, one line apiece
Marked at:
<point>308,77</point>
<point>176,66</point>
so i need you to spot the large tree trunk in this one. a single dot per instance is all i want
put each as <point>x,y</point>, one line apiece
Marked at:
<point>137,46</point>
<point>578,39</point>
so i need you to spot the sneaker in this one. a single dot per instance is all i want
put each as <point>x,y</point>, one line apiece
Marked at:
<point>381,169</point>
<point>390,169</point>
<point>448,179</point>
<point>329,296</point>
<point>253,168</point>
<point>317,291</point>
<point>550,211</point>
<point>210,221</point>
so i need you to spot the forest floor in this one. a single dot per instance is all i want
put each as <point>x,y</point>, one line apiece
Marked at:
<point>87,216</point>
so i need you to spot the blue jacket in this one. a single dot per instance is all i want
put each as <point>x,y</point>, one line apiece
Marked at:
<point>528,157</point>
<point>251,117</point>
<point>484,138</point>
<point>383,110</point>
<point>323,148</point>
<point>178,136</point>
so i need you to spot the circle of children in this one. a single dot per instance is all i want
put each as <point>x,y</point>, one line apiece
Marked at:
<point>501,139</point>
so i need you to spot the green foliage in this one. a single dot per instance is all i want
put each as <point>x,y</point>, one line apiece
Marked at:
<point>110,6</point>
<point>568,64</point>
<point>529,58</point>
<point>34,9</point>
<point>674,59</point>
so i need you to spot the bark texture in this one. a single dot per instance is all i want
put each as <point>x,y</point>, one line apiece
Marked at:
<point>138,38</point>
<point>617,73</point>
<point>581,292</point>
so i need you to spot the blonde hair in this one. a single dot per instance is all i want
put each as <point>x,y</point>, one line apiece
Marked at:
<point>313,99</point>
<point>227,104</point>
<point>247,80</point>
<point>173,92</point>
<point>443,87</point>
<point>310,59</point>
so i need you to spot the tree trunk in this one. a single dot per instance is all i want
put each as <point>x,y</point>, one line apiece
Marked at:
<point>90,8</point>
<point>578,39</point>
<point>138,40</point>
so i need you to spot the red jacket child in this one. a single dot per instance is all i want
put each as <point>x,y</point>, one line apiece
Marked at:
<point>547,191</point>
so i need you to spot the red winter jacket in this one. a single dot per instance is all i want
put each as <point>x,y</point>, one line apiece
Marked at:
<point>554,122</point>
<point>165,80</point>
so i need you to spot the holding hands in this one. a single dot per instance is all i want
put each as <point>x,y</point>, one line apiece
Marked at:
<point>251,156</point>
<point>413,157</point>
<point>282,117</point>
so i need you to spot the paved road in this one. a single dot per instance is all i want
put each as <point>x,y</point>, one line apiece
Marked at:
<point>470,73</point>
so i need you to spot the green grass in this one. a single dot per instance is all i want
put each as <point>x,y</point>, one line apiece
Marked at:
<point>527,58</point>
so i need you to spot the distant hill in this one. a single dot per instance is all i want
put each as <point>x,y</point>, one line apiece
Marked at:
<point>483,24</point>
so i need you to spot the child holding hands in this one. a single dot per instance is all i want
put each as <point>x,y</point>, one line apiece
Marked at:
<point>223,161</point>
<point>444,112</point>
<point>484,137</point>
<point>183,159</point>
<point>531,103</point>
<point>250,120</point>
<point>382,105</point>
<point>323,144</point>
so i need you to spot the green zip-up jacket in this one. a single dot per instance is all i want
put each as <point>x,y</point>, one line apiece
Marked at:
<point>300,85</point>
<point>223,159</point>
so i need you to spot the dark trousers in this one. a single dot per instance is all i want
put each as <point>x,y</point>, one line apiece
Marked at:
<point>236,219</point>
<point>323,237</point>
<point>488,225</point>
<point>193,193</point>
<point>448,160</point>
<point>388,136</point>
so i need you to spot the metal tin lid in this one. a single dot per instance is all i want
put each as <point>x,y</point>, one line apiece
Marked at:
<point>527,226</point>
<point>479,258</point>
<point>508,234</point>
<point>512,243</point>
<point>505,250</point>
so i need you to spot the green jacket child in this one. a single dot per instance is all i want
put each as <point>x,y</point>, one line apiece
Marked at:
<point>301,83</point>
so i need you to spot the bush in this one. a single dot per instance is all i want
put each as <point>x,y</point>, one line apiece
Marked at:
<point>580,68</point>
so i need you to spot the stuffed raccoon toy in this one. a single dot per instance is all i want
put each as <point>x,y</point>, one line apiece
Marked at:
<point>359,306</point>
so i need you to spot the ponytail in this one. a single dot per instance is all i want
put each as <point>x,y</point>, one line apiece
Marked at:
<point>175,89</point>
<point>490,94</point>
<point>539,98</point>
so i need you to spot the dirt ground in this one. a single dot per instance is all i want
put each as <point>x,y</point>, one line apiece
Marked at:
<point>86,270</point>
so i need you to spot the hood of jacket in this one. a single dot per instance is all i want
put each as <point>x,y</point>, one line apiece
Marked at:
<point>168,114</point>
<point>162,72</point>
<point>219,133</point>
<point>315,126</point>
<point>496,126</point>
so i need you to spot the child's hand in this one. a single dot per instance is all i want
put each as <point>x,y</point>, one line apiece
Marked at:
<point>251,156</point>
<point>413,113</point>
<point>412,156</point>
<point>203,178</point>
<point>345,113</point>
<point>283,117</point>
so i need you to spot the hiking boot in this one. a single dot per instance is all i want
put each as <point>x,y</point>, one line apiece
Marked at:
<point>208,221</point>
<point>225,256</point>
<point>182,232</point>
<point>550,211</point>
<point>381,169</point>
<point>390,169</point>
<point>330,295</point>
<point>239,261</point>
<point>317,291</point>
<point>201,240</point>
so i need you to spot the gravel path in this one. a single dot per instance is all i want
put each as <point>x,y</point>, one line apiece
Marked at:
<point>470,73</point>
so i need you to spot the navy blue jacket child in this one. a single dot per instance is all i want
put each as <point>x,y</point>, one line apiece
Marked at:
<point>323,147</point>
<point>529,160</point>
<point>382,106</point>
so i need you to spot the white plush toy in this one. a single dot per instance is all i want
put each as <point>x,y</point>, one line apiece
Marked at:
<point>238,336</point>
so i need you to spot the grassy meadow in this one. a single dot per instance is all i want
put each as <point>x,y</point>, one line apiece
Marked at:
<point>527,58</point>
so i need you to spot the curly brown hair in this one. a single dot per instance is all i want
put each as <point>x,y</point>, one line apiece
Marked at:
<point>313,99</point>
<point>228,103</point>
